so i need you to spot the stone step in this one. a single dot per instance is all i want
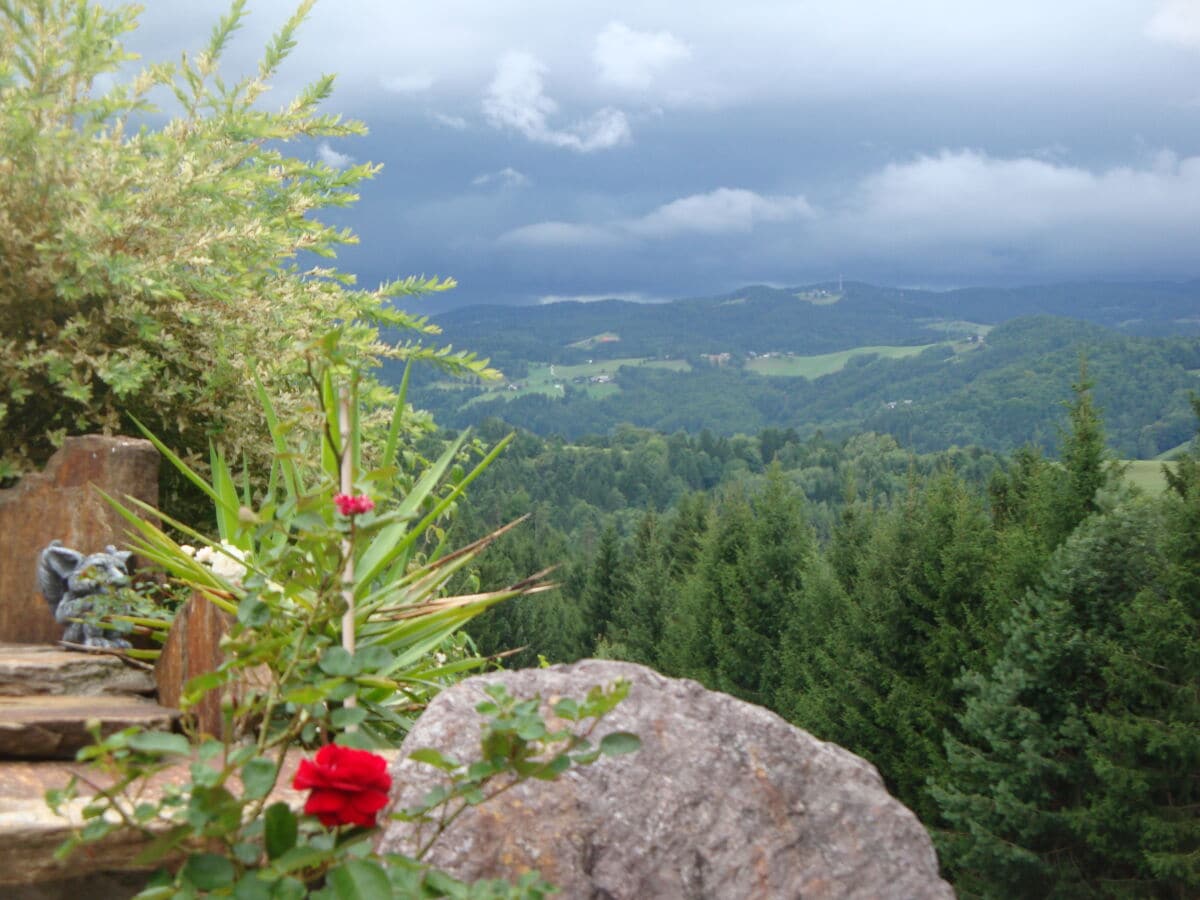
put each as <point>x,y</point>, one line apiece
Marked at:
<point>55,726</point>
<point>30,832</point>
<point>27,669</point>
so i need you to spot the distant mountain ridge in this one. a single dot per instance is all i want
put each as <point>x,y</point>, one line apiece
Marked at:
<point>997,393</point>
<point>810,319</point>
<point>996,367</point>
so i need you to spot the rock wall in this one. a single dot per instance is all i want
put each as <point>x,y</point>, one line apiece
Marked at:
<point>61,502</point>
<point>724,799</point>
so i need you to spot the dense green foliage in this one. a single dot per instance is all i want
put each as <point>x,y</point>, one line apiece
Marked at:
<point>148,263</point>
<point>1013,642</point>
<point>999,395</point>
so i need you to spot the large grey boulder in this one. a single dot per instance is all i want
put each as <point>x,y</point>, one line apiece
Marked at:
<point>724,800</point>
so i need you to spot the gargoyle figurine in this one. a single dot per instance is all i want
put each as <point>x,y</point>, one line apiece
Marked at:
<point>69,581</point>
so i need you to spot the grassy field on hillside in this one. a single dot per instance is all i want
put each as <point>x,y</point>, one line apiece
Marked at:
<point>1146,474</point>
<point>607,337</point>
<point>551,380</point>
<point>824,363</point>
<point>957,328</point>
<point>820,297</point>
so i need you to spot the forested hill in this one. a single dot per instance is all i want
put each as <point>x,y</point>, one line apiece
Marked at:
<point>805,320</point>
<point>999,393</point>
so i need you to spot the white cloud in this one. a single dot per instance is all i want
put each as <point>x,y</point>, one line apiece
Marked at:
<point>332,158</point>
<point>630,59</point>
<point>412,83</point>
<point>629,296</point>
<point>516,99</point>
<point>721,211</point>
<point>560,234</point>
<point>458,123</point>
<point>1176,22</point>
<point>957,213</point>
<point>964,205</point>
<point>507,177</point>
<point>1009,196</point>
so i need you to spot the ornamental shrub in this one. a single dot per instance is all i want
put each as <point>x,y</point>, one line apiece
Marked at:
<point>149,256</point>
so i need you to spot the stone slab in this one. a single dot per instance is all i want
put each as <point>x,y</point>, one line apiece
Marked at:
<point>44,669</point>
<point>55,727</point>
<point>61,502</point>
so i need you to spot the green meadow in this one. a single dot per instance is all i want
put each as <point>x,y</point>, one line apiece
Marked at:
<point>824,363</point>
<point>552,379</point>
<point>1146,474</point>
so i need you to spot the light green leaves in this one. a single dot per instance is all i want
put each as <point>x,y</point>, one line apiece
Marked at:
<point>160,742</point>
<point>280,830</point>
<point>148,269</point>
<point>258,777</point>
<point>208,871</point>
<point>618,743</point>
<point>359,879</point>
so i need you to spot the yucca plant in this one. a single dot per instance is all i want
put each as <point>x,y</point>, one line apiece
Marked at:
<point>335,572</point>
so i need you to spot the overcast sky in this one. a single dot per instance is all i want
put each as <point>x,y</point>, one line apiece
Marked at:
<point>541,149</point>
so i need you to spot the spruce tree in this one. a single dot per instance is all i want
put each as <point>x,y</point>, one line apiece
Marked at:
<point>1028,521</point>
<point>757,588</point>
<point>607,583</point>
<point>917,616</point>
<point>694,639</point>
<point>810,688</point>
<point>686,533</point>
<point>638,613</point>
<point>1019,785</point>
<point>1084,456</point>
<point>1145,817</point>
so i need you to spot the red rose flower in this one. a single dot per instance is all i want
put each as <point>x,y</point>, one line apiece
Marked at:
<point>348,786</point>
<point>353,506</point>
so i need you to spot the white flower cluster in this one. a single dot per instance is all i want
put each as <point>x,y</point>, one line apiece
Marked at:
<point>228,562</point>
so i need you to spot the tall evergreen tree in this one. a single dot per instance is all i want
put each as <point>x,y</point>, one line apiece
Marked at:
<point>723,628</point>
<point>1028,521</point>
<point>1019,786</point>
<point>607,582</point>
<point>813,649</point>
<point>916,616</point>
<point>686,533</point>
<point>1145,818</point>
<point>1083,454</point>
<point>757,588</point>
<point>692,642</point>
<point>637,617</point>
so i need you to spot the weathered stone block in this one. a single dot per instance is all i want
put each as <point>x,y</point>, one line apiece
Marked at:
<point>193,647</point>
<point>62,503</point>
<point>42,669</point>
<point>56,727</point>
<point>724,799</point>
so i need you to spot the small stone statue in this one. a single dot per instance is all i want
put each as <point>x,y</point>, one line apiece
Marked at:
<point>69,581</point>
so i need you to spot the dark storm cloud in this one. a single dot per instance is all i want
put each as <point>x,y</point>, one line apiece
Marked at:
<point>655,149</point>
